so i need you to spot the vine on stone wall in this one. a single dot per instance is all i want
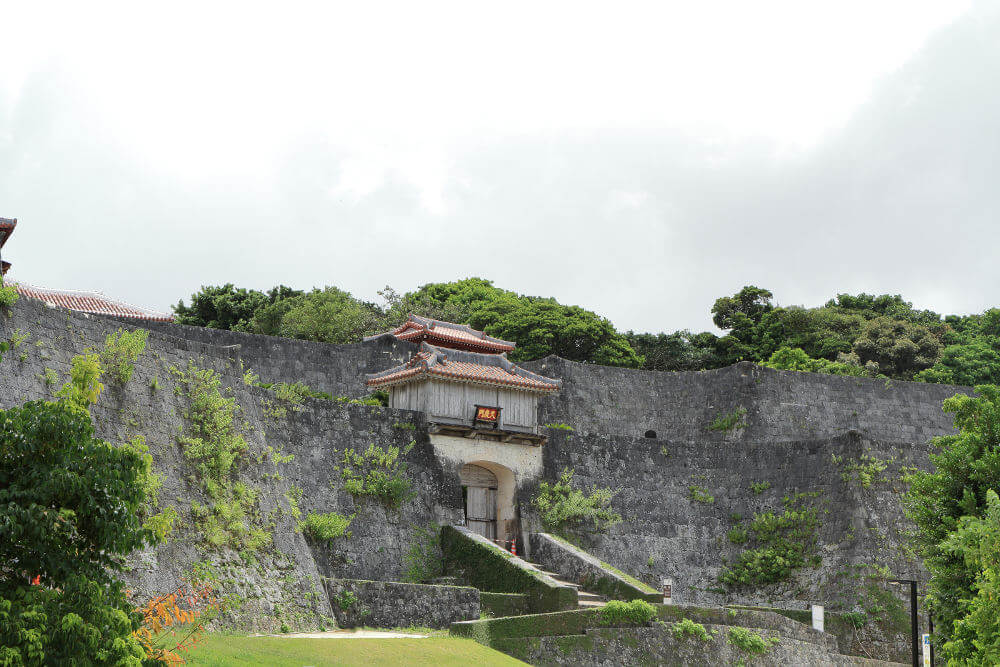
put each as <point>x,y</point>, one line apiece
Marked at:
<point>377,473</point>
<point>121,350</point>
<point>214,445</point>
<point>562,507</point>
<point>782,543</point>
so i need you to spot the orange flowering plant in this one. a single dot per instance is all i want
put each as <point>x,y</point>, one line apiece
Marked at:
<point>172,623</point>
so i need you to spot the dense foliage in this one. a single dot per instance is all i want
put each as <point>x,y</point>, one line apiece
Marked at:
<point>957,513</point>
<point>70,509</point>
<point>862,334</point>
<point>540,326</point>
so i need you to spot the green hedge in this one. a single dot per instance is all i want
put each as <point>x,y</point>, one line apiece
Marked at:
<point>489,568</point>
<point>557,623</point>
<point>503,604</point>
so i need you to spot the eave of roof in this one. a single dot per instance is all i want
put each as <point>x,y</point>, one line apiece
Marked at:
<point>93,303</point>
<point>447,334</point>
<point>7,226</point>
<point>468,367</point>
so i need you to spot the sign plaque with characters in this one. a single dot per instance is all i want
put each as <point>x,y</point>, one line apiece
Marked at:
<point>487,415</point>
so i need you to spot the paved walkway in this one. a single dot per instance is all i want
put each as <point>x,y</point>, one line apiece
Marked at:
<point>349,634</point>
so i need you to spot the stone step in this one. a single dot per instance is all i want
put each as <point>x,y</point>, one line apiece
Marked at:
<point>590,604</point>
<point>584,596</point>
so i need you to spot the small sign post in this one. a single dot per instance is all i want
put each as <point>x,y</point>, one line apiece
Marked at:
<point>927,649</point>
<point>668,585</point>
<point>818,617</point>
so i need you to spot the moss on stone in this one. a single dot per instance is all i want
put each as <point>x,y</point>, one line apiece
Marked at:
<point>491,569</point>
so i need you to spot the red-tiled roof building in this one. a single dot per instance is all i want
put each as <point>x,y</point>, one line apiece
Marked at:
<point>462,380</point>
<point>93,303</point>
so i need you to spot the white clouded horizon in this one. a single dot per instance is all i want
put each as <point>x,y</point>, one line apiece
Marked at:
<point>639,162</point>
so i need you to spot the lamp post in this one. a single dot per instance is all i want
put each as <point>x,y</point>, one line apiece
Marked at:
<point>914,629</point>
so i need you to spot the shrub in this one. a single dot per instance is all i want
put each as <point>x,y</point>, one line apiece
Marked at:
<point>688,628</point>
<point>423,559</point>
<point>172,623</point>
<point>760,487</point>
<point>326,527</point>
<point>562,507</point>
<point>619,612</point>
<point>346,600</point>
<point>377,473</point>
<point>8,295</point>
<point>700,494</point>
<point>84,386</point>
<point>737,536</point>
<point>749,641</point>
<point>785,543</point>
<point>729,421</point>
<point>121,350</point>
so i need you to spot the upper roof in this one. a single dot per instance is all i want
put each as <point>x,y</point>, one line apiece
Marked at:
<point>447,334</point>
<point>90,302</point>
<point>461,366</point>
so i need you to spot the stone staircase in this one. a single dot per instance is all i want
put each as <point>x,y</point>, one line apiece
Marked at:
<point>586,599</point>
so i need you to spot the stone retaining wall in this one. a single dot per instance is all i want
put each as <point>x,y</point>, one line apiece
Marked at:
<point>576,565</point>
<point>382,604</point>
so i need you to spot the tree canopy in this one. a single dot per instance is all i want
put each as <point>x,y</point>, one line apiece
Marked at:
<point>957,514</point>
<point>855,334</point>
<point>70,508</point>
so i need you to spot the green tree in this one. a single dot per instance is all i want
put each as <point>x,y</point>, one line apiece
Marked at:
<point>966,470</point>
<point>228,307</point>
<point>449,302</point>
<point>541,327</point>
<point>329,315</point>
<point>745,307</point>
<point>678,351</point>
<point>795,359</point>
<point>901,349</point>
<point>975,637</point>
<point>977,362</point>
<point>69,513</point>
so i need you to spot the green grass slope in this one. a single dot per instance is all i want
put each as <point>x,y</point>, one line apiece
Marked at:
<point>282,652</point>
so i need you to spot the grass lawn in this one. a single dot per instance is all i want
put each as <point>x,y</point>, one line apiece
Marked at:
<point>437,651</point>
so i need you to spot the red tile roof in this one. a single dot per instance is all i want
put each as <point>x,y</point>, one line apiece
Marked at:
<point>459,366</point>
<point>90,302</point>
<point>447,334</point>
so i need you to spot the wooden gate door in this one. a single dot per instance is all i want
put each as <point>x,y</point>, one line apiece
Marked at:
<point>479,487</point>
<point>481,511</point>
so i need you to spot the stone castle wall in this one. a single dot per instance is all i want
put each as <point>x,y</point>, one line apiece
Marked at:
<point>281,583</point>
<point>794,426</point>
<point>780,405</point>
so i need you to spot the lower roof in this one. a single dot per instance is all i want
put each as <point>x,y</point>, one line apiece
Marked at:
<point>460,366</point>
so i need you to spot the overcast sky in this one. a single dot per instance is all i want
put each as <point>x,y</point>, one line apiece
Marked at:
<point>638,159</point>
